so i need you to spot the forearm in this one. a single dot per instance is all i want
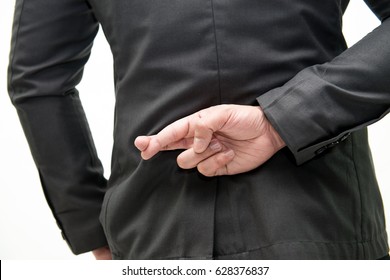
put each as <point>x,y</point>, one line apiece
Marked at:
<point>325,102</point>
<point>51,43</point>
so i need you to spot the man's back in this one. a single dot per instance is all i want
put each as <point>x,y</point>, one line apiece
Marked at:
<point>173,58</point>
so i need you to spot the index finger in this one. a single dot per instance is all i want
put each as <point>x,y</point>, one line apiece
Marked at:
<point>171,134</point>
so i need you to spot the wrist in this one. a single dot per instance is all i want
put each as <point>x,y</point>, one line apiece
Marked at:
<point>276,141</point>
<point>269,132</point>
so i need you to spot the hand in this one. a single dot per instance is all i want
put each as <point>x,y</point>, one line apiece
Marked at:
<point>103,253</point>
<point>219,140</point>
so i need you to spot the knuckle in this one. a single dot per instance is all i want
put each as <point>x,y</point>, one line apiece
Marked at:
<point>200,126</point>
<point>175,134</point>
<point>220,160</point>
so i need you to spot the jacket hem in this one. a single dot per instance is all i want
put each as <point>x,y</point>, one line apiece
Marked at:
<point>310,250</point>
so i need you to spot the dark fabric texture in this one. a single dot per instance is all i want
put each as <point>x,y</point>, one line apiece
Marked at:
<point>385,258</point>
<point>316,199</point>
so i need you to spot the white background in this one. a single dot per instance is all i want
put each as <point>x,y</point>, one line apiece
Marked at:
<point>27,228</point>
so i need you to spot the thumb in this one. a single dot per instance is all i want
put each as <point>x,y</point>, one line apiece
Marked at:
<point>207,123</point>
<point>202,136</point>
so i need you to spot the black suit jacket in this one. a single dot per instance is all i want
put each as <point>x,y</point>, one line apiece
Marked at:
<point>316,199</point>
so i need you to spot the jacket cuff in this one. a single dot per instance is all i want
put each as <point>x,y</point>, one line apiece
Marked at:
<point>290,112</point>
<point>84,235</point>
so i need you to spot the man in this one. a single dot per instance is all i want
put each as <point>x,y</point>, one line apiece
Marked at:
<point>230,82</point>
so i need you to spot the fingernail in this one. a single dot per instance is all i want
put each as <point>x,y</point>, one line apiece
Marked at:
<point>198,143</point>
<point>215,145</point>
<point>229,153</point>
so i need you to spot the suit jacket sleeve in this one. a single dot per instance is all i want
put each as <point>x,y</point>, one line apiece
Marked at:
<point>51,42</point>
<point>322,104</point>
